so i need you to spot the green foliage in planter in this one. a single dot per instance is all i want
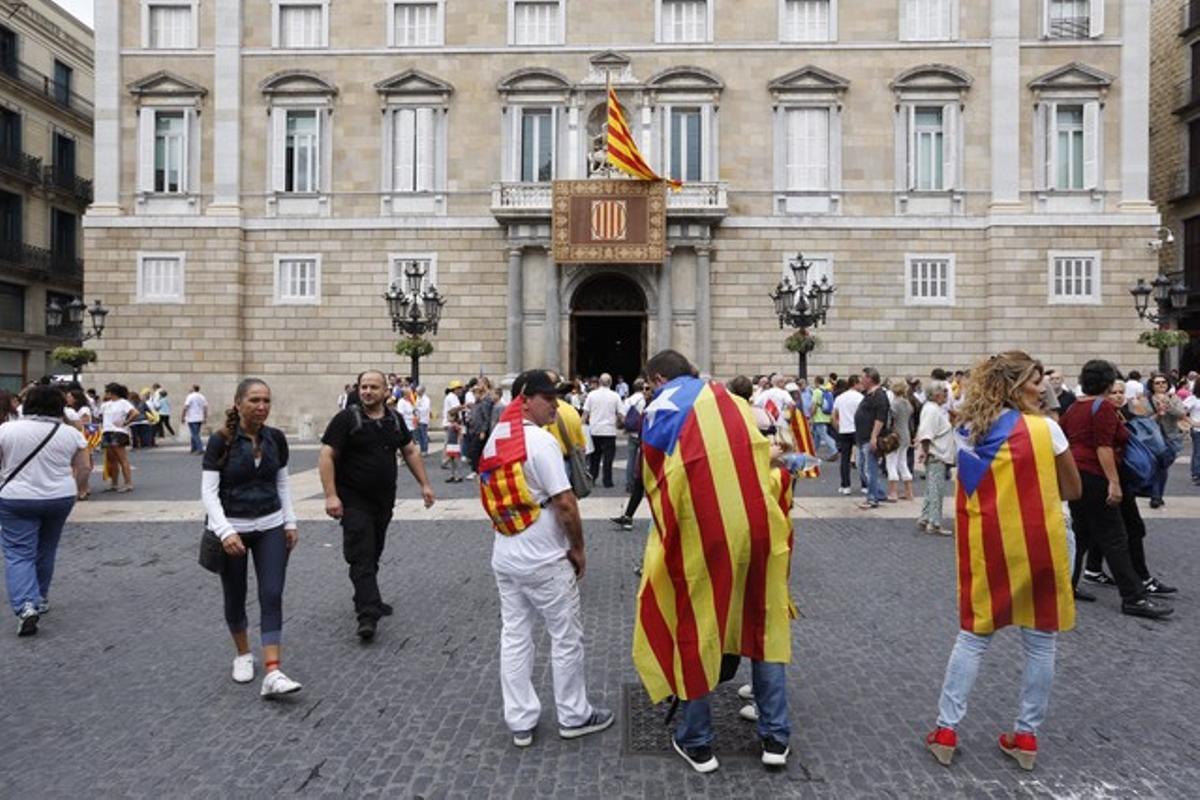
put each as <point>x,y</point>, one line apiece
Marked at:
<point>801,342</point>
<point>1161,340</point>
<point>414,347</point>
<point>75,357</point>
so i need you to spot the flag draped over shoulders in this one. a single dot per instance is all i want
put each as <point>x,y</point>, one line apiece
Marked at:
<point>503,489</point>
<point>1011,536</point>
<point>715,571</point>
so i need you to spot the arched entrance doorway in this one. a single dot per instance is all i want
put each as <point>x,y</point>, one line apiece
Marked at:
<point>608,327</point>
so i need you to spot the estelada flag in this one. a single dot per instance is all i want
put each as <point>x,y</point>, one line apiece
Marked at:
<point>804,441</point>
<point>623,151</point>
<point>1011,536</point>
<point>502,486</point>
<point>715,570</point>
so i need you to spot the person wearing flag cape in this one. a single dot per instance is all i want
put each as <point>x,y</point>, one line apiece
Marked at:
<point>715,570</point>
<point>538,560</point>
<point>1014,562</point>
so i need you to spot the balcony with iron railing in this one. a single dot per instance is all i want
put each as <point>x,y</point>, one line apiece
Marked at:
<point>46,87</point>
<point>67,183</point>
<point>21,166</point>
<point>1070,27</point>
<point>1191,17</point>
<point>516,201</point>
<point>38,262</point>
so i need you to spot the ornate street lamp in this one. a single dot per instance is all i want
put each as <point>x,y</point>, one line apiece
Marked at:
<point>414,312</point>
<point>72,315</point>
<point>1170,300</point>
<point>801,305</point>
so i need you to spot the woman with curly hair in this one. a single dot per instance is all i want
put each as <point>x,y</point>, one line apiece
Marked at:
<point>1014,565</point>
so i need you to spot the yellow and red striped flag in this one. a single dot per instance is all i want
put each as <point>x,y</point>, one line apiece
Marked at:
<point>503,489</point>
<point>623,151</point>
<point>715,571</point>
<point>804,442</point>
<point>1010,535</point>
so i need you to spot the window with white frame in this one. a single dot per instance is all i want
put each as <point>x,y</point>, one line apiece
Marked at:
<point>298,279</point>
<point>928,149</point>
<point>1074,277</point>
<point>398,263</point>
<point>808,149</point>
<point>928,20</point>
<point>929,279</point>
<point>686,145</point>
<point>1072,19</point>
<point>536,21</point>
<point>683,21</point>
<point>1069,127</point>
<point>160,277</point>
<point>302,151</point>
<point>1068,145</point>
<point>537,145</point>
<point>416,23</point>
<point>170,152</point>
<point>301,23</point>
<point>169,24</point>
<point>414,156</point>
<point>807,20</point>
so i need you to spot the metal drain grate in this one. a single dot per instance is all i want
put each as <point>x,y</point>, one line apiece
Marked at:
<point>645,735</point>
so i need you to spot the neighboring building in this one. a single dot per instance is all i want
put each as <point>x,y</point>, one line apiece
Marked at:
<point>45,186</point>
<point>973,175</point>
<point>1175,152</point>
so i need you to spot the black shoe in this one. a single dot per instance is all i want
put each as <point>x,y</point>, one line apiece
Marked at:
<point>1145,608</point>
<point>1100,578</point>
<point>774,753</point>
<point>1155,586</point>
<point>386,609</point>
<point>366,629</point>
<point>1156,502</point>
<point>701,758</point>
<point>1085,597</point>
<point>623,522</point>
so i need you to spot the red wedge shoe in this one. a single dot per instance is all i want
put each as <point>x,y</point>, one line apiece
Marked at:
<point>1021,746</point>
<point>942,743</point>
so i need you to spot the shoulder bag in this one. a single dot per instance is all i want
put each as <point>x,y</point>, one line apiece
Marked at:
<point>581,479</point>
<point>30,457</point>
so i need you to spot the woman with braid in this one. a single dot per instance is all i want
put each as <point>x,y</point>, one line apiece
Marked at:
<point>249,506</point>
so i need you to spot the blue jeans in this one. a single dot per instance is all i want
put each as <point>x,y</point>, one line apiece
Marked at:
<point>1196,455</point>
<point>30,530</point>
<point>822,438</point>
<point>1160,483</point>
<point>876,488</point>
<point>423,438</point>
<point>963,667</point>
<point>770,695</point>
<point>197,445</point>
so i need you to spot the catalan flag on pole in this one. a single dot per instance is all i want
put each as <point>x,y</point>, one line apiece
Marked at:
<point>715,571</point>
<point>503,489</point>
<point>804,441</point>
<point>623,151</point>
<point>1011,536</point>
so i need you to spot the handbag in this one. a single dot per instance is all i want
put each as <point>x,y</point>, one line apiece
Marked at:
<point>29,457</point>
<point>212,552</point>
<point>581,479</point>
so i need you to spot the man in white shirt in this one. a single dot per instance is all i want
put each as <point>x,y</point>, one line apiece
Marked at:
<point>844,409</point>
<point>1134,388</point>
<point>537,572</point>
<point>600,411</point>
<point>422,409</point>
<point>776,400</point>
<point>1192,405</point>
<point>195,414</point>
<point>622,388</point>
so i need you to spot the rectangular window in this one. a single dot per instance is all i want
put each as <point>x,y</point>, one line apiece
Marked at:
<point>684,20</point>
<point>64,234</point>
<point>12,370</point>
<point>160,277</point>
<point>10,134</point>
<point>926,20</point>
<point>301,25</point>
<point>1069,124</point>
<point>929,280</point>
<point>170,26</point>
<point>1069,19</point>
<point>929,142</point>
<point>62,83</point>
<point>808,149</point>
<point>536,22</point>
<point>537,145</point>
<point>414,150</point>
<point>686,144</point>
<point>301,153</point>
<point>11,225</point>
<point>8,51</point>
<point>805,21</point>
<point>298,279</point>
<point>170,152</point>
<point>415,24</point>
<point>12,307</point>
<point>1074,277</point>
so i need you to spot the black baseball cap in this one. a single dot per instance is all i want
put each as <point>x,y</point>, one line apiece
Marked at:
<point>533,382</point>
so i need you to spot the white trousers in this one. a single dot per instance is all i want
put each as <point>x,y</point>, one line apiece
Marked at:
<point>552,592</point>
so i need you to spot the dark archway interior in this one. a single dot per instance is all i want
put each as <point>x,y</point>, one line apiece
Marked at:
<point>608,327</point>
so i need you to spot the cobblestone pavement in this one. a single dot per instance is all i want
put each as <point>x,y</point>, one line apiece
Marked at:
<point>126,689</point>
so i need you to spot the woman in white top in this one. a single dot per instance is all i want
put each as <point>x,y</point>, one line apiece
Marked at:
<point>116,415</point>
<point>40,456</point>
<point>79,414</point>
<point>249,506</point>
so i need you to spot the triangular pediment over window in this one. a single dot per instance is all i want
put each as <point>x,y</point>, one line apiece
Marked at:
<point>806,81</point>
<point>1073,76</point>
<point>165,84</point>
<point>609,59</point>
<point>414,83</point>
<point>297,83</point>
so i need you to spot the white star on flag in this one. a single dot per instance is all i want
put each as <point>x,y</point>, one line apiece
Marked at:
<point>661,403</point>
<point>502,431</point>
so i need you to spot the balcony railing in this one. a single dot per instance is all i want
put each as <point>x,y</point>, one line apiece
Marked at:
<point>21,166</point>
<point>57,179</point>
<point>534,199</point>
<point>1070,28</point>
<point>52,90</point>
<point>40,260</point>
<point>1191,15</point>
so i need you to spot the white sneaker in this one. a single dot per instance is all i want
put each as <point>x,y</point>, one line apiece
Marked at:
<point>746,691</point>
<point>844,490</point>
<point>243,668</point>
<point>276,684</point>
<point>748,713</point>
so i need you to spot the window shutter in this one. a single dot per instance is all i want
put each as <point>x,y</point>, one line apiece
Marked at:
<point>189,161</point>
<point>1091,149</point>
<point>1046,18</point>
<point>387,152</point>
<point>323,159</point>
<point>792,148</point>
<point>905,20</point>
<point>903,148</point>
<point>1039,147</point>
<point>425,150</point>
<point>950,135</point>
<point>278,149</point>
<point>910,144</point>
<point>1051,144</point>
<point>146,150</point>
<point>664,135</point>
<point>405,132</point>
<point>1095,18</point>
<point>708,154</point>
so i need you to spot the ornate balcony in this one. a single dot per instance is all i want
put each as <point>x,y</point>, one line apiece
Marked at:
<point>39,263</point>
<point>67,183</point>
<point>46,88</point>
<point>21,167</point>
<point>531,201</point>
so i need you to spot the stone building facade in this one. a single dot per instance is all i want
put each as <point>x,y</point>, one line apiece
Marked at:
<point>45,186</point>
<point>972,175</point>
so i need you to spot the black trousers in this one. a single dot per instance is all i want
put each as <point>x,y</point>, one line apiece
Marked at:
<point>1135,533</point>
<point>1099,526</point>
<point>364,531</point>
<point>845,443</point>
<point>605,450</point>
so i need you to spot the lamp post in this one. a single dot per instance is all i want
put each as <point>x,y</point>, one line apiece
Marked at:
<point>72,315</point>
<point>414,311</point>
<point>802,305</point>
<point>1170,299</point>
